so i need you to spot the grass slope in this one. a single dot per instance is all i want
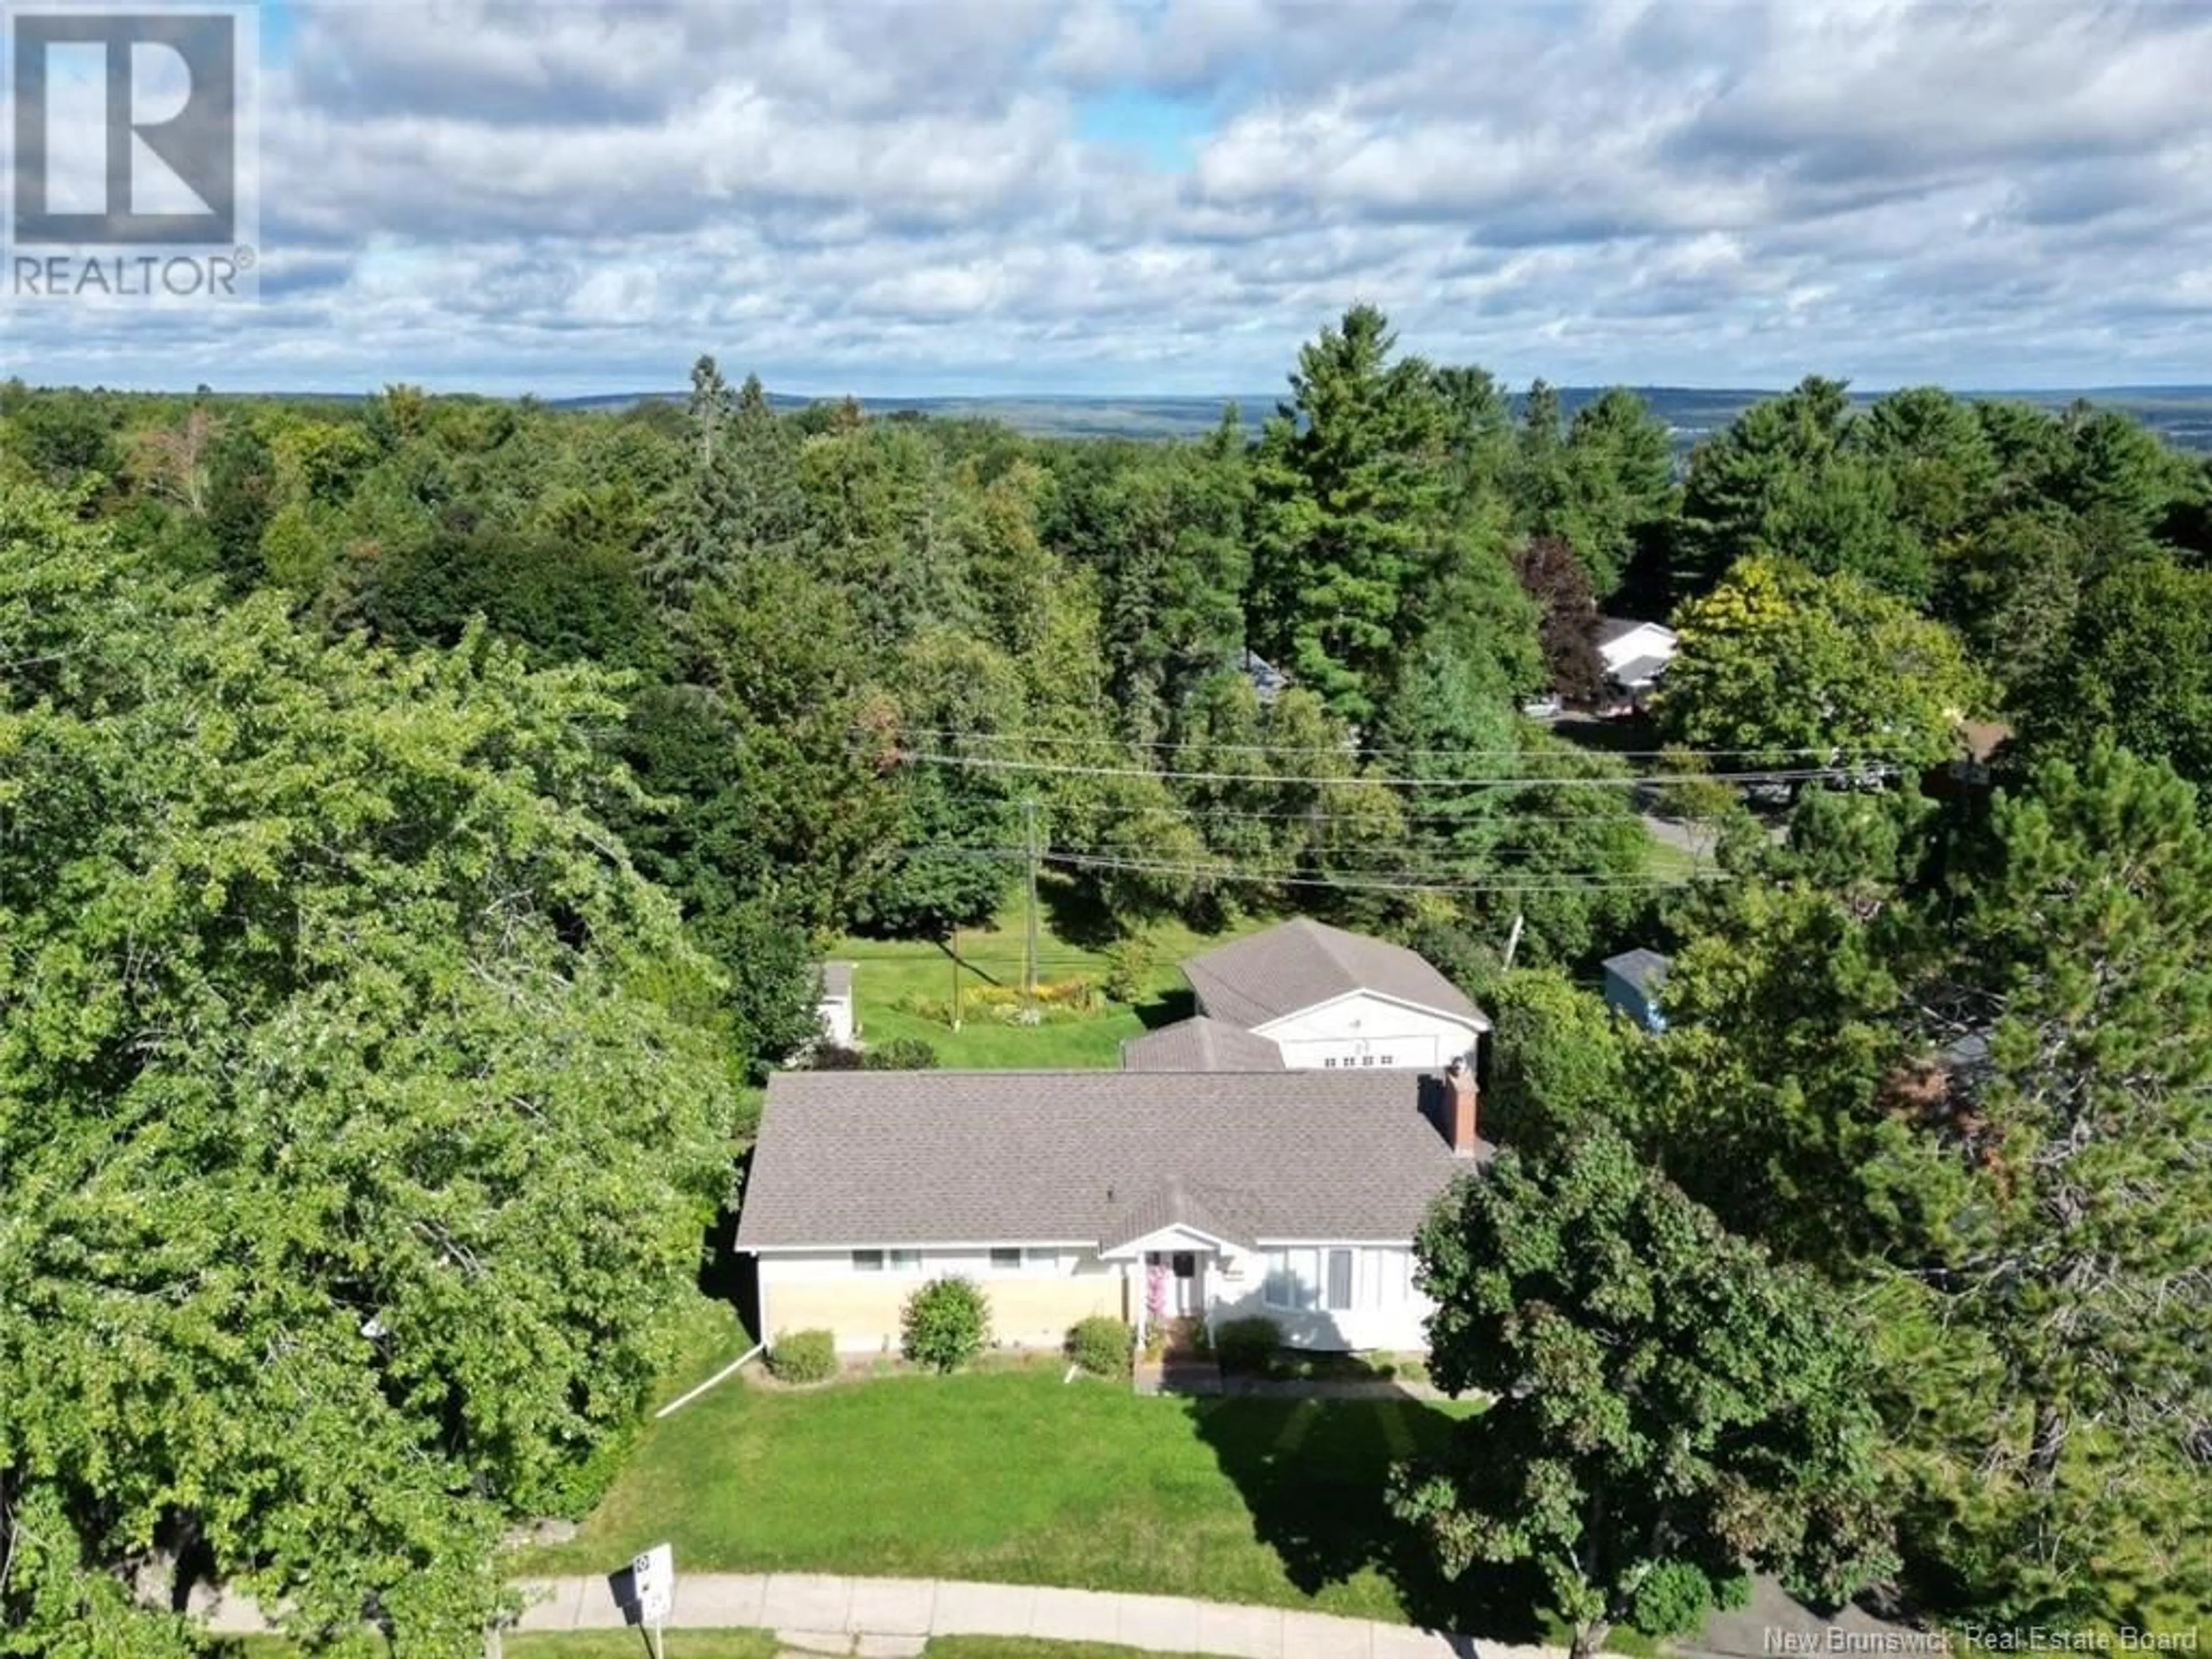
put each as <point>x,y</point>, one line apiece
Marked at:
<point>891,971</point>
<point>1017,1477</point>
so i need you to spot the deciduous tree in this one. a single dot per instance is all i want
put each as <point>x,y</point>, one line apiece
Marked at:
<point>1791,668</point>
<point>1551,574</point>
<point>355,1155</point>
<point>1669,1409</point>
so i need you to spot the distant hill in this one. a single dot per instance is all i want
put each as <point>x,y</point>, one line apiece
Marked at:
<point>2182,414</point>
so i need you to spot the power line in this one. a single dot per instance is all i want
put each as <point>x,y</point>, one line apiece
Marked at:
<point>1012,854</point>
<point>979,762</point>
<point>1408,880</point>
<point>1393,882</point>
<point>1051,739</point>
<point>1301,815</point>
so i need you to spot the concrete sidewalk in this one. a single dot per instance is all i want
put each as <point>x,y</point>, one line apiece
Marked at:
<point>895,1616</point>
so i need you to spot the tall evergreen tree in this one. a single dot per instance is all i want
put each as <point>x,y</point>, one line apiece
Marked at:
<point>1353,525</point>
<point>2063,1197</point>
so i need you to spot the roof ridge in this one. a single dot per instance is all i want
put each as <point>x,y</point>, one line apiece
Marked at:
<point>1331,942</point>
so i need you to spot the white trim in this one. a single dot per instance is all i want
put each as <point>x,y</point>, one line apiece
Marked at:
<point>926,1244</point>
<point>1137,1247</point>
<point>1476,1022</point>
<point>1261,1241</point>
<point>1274,1244</point>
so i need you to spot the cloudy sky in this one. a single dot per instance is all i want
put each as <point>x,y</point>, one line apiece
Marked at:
<point>1168,195</point>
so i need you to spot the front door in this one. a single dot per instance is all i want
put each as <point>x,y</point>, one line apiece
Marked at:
<point>1181,1278</point>
<point>1188,1293</point>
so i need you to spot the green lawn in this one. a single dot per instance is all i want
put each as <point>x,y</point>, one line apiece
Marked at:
<point>1664,862</point>
<point>1017,1476</point>
<point>893,971</point>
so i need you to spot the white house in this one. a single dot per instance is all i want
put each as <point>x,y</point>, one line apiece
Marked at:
<point>1146,1195</point>
<point>1635,653</point>
<point>1329,999</point>
<point>834,1010</point>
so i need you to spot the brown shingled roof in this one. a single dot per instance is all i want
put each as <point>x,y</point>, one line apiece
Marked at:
<point>1208,1210</point>
<point>1298,963</point>
<point>871,1159</point>
<point>1200,1044</point>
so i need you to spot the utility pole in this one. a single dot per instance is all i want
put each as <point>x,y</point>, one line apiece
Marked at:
<point>1513,939</point>
<point>1031,850</point>
<point>955,976</point>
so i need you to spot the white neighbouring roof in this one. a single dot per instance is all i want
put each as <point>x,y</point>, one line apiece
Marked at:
<point>1624,644</point>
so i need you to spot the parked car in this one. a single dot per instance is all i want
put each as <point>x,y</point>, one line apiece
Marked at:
<point>1546,707</point>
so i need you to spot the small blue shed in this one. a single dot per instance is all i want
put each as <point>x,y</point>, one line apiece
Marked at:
<point>1633,980</point>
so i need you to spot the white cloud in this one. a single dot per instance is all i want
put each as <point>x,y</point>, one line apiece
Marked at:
<point>889,195</point>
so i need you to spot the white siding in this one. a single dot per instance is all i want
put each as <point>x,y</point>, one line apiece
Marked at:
<point>1068,1262</point>
<point>1385,1312</point>
<point>1366,1031</point>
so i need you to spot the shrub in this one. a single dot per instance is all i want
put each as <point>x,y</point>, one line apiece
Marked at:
<point>1248,1345</point>
<point>1057,1000</point>
<point>1129,964</point>
<point>1674,1599</point>
<point>901,1055</point>
<point>1100,1344</point>
<point>803,1357</point>
<point>945,1324</point>
<point>572,1490</point>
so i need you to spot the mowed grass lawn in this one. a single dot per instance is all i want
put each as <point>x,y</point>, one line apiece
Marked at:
<point>889,972</point>
<point>1017,1476</point>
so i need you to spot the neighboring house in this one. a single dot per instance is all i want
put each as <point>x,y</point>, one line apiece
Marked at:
<point>1200,1044</point>
<point>1143,1195</point>
<point>1329,999</point>
<point>1635,653</point>
<point>840,1028</point>
<point>1268,682</point>
<point>1633,980</point>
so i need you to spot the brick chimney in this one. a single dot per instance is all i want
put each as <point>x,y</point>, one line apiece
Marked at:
<point>1458,1107</point>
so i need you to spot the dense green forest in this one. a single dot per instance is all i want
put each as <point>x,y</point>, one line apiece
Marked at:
<point>419,816</point>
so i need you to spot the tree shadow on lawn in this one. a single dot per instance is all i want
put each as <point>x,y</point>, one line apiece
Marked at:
<point>1075,913</point>
<point>1167,1008</point>
<point>1319,1499</point>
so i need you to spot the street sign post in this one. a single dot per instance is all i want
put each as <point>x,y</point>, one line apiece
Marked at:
<point>653,1576</point>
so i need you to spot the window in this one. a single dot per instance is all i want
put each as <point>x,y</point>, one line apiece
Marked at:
<point>1367,1059</point>
<point>1293,1280</point>
<point>1330,1063</point>
<point>1339,1281</point>
<point>904,1259</point>
<point>1045,1261</point>
<point>868,1261</point>
<point>1185,1265</point>
<point>1389,1278</point>
<point>1389,1060</point>
<point>1006,1261</point>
